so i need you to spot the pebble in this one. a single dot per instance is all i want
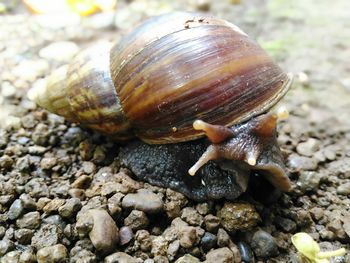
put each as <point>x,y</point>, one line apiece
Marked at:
<point>144,239</point>
<point>220,255</point>
<point>159,246</point>
<point>104,231</point>
<point>27,256</point>
<point>238,216</point>
<point>82,182</point>
<point>298,163</point>
<point>211,223</point>
<point>223,238</point>
<point>30,70</point>
<point>188,236</point>
<point>48,162</point>
<point>125,235</point>
<point>70,208</point>
<point>208,241</point>
<point>264,245</point>
<point>15,210</point>
<point>343,189</point>
<point>308,181</point>
<point>55,220</point>
<point>28,202</point>
<point>11,257</point>
<point>136,220</point>
<point>317,213</point>
<point>6,162</point>
<point>191,216</point>
<point>47,235</point>
<point>247,255</point>
<point>187,259</point>
<point>309,147</point>
<point>89,167</point>
<point>121,257</point>
<point>62,51</point>
<point>285,224</point>
<point>153,205</point>
<point>173,248</point>
<point>6,246</point>
<point>53,205</point>
<point>57,253</point>
<point>36,150</point>
<point>30,220</point>
<point>24,236</point>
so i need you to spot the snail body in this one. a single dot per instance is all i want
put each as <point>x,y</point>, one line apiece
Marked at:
<point>174,79</point>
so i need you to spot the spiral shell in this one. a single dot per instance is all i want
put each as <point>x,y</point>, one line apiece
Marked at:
<point>160,78</point>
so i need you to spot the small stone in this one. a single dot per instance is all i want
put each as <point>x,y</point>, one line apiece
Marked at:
<point>153,204</point>
<point>299,163</point>
<point>121,257</point>
<point>77,193</point>
<point>70,208</point>
<point>187,259</point>
<point>125,235</point>
<point>24,236</point>
<point>144,239</point>
<point>238,216</point>
<point>30,220</point>
<point>15,210</point>
<point>159,246</point>
<point>53,205</point>
<point>286,224</point>
<point>223,238</point>
<point>57,254</point>
<point>264,245</point>
<point>27,256</point>
<point>28,202</point>
<point>136,220</point>
<point>173,248</point>
<point>48,162</point>
<point>6,162</point>
<point>62,51</point>
<point>104,231</point>
<point>208,241</point>
<point>336,227</point>
<point>317,213</point>
<point>23,164</point>
<point>42,202</point>
<point>55,220</point>
<point>89,167</point>
<point>6,246</point>
<point>47,235</point>
<point>309,147</point>
<point>173,209</point>
<point>247,255</point>
<point>11,257</point>
<point>203,208</point>
<point>343,189</point>
<point>220,255</point>
<point>36,150</point>
<point>188,236</point>
<point>191,216</point>
<point>7,90</point>
<point>308,181</point>
<point>82,182</point>
<point>211,223</point>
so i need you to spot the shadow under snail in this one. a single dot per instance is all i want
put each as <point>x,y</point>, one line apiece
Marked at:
<point>195,89</point>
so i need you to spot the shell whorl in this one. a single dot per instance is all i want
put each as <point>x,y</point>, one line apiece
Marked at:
<point>83,92</point>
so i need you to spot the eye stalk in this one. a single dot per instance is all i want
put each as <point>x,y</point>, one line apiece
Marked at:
<point>246,142</point>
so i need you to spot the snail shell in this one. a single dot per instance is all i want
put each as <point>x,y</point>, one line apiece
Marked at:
<point>173,79</point>
<point>161,77</point>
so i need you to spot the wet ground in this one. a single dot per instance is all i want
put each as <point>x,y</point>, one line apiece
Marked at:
<point>55,176</point>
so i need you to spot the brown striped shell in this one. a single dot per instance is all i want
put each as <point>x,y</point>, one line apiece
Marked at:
<point>160,78</point>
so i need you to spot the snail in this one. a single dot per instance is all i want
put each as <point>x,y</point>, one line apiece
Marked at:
<point>194,89</point>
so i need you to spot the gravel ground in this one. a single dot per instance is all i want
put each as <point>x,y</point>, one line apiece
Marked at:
<point>65,198</point>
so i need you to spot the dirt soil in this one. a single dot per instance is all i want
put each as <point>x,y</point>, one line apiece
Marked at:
<point>65,198</point>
